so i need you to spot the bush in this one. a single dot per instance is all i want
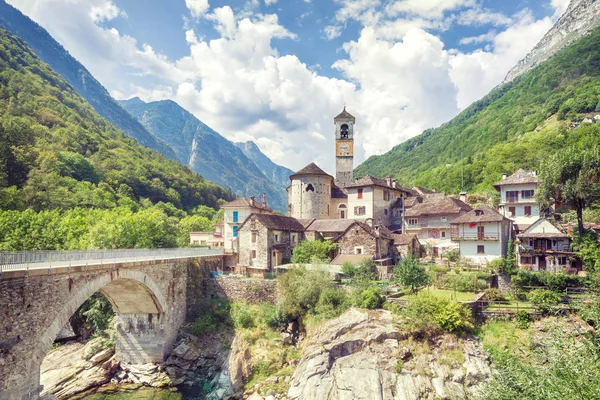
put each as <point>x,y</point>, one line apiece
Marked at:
<point>272,316</point>
<point>308,251</point>
<point>452,255</point>
<point>545,301</point>
<point>431,313</point>
<point>365,274</point>
<point>348,269</point>
<point>301,289</point>
<point>496,265</point>
<point>371,298</point>
<point>522,319</point>
<point>464,283</point>
<point>332,303</point>
<point>399,366</point>
<point>242,316</point>
<point>411,274</point>
<point>554,282</point>
<point>204,324</point>
<point>495,295</point>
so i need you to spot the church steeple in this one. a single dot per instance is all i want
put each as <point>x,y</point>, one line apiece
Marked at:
<point>344,148</point>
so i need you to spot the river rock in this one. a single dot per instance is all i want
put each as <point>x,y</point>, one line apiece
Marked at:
<point>355,357</point>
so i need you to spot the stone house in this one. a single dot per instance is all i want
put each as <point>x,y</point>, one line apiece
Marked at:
<point>429,216</point>
<point>517,198</point>
<point>546,246</point>
<point>267,241</point>
<point>482,234</point>
<point>407,245</point>
<point>235,213</point>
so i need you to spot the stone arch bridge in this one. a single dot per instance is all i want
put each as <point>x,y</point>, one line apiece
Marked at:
<point>40,291</point>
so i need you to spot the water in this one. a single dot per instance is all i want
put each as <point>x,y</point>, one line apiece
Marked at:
<point>134,392</point>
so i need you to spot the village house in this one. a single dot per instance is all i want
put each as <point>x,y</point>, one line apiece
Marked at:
<point>407,245</point>
<point>429,217</point>
<point>546,246</point>
<point>209,239</point>
<point>517,198</point>
<point>482,234</point>
<point>235,213</point>
<point>267,241</point>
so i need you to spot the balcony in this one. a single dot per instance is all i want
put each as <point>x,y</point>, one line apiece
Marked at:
<point>475,237</point>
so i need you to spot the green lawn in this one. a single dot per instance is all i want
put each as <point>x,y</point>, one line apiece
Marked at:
<point>447,294</point>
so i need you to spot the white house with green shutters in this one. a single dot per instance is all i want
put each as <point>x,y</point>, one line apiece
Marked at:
<point>235,213</point>
<point>517,198</point>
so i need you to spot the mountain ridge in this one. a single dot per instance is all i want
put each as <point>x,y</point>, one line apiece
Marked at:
<point>276,173</point>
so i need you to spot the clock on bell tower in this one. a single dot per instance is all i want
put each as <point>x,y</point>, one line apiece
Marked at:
<point>344,148</point>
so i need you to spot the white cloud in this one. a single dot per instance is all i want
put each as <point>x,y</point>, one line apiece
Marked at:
<point>269,2</point>
<point>197,7</point>
<point>332,31</point>
<point>433,9</point>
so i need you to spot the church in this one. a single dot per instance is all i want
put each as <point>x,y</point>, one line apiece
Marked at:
<point>315,194</point>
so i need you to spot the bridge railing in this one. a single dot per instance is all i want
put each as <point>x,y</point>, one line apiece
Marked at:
<point>25,260</point>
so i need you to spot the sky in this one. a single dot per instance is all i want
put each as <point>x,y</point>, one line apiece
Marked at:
<point>278,71</point>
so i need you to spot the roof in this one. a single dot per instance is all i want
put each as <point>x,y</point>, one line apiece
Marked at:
<point>422,190</point>
<point>433,204</point>
<point>310,169</point>
<point>543,235</point>
<point>549,229</point>
<point>518,178</point>
<point>337,193</point>
<point>305,222</point>
<point>355,259</point>
<point>480,214</point>
<point>330,225</point>
<point>243,202</point>
<point>345,115</point>
<point>278,222</point>
<point>373,181</point>
<point>378,231</point>
<point>403,239</point>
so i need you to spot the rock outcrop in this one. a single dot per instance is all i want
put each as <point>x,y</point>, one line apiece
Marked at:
<point>580,18</point>
<point>361,355</point>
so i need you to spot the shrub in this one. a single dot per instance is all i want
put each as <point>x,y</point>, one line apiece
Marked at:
<point>427,312</point>
<point>301,289</point>
<point>452,255</point>
<point>332,303</point>
<point>204,324</point>
<point>272,316</point>
<point>522,319</point>
<point>309,250</point>
<point>456,271</point>
<point>464,283</point>
<point>242,316</point>
<point>371,298</point>
<point>545,301</point>
<point>555,282</point>
<point>399,366</point>
<point>411,274</point>
<point>348,269</point>
<point>495,295</point>
<point>366,273</point>
<point>496,265</point>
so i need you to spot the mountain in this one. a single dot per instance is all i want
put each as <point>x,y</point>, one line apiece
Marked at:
<point>57,152</point>
<point>276,173</point>
<point>517,125</point>
<point>59,59</point>
<point>580,18</point>
<point>206,151</point>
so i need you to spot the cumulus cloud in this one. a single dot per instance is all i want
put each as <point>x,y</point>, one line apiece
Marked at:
<point>399,78</point>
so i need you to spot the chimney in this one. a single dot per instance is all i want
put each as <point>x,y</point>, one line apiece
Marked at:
<point>390,181</point>
<point>503,176</point>
<point>252,202</point>
<point>463,197</point>
<point>265,200</point>
<point>534,173</point>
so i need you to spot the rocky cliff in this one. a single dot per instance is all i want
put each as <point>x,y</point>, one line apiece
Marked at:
<point>361,355</point>
<point>581,17</point>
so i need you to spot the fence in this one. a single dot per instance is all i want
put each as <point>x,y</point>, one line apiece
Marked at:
<point>26,260</point>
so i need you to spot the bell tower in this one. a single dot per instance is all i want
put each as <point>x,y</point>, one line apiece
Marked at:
<point>344,148</point>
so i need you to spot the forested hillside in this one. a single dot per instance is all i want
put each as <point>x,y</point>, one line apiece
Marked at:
<point>205,151</point>
<point>57,153</point>
<point>516,125</point>
<point>59,59</point>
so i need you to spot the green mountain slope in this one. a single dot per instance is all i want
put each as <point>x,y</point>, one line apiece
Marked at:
<point>56,152</point>
<point>51,52</point>
<point>206,151</point>
<point>516,125</point>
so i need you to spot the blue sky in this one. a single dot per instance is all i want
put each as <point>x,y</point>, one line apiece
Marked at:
<point>277,72</point>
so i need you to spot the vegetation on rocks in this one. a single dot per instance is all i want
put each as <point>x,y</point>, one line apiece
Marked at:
<point>313,252</point>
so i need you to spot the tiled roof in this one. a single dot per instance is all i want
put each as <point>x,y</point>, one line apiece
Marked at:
<point>373,181</point>
<point>345,115</point>
<point>480,214</point>
<point>338,193</point>
<point>310,169</point>
<point>422,190</point>
<point>355,259</point>
<point>243,202</point>
<point>278,222</point>
<point>403,239</point>
<point>305,222</point>
<point>330,225</point>
<point>543,235</point>
<point>437,204</point>
<point>518,178</point>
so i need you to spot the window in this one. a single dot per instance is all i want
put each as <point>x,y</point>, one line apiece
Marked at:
<point>327,209</point>
<point>344,131</point>
<point>235,231</point>
<point>235,216</point>
<point>562,260</point>
<point>527,211</point>
<point>443,233</point>
<point>386,195</point>
<point>525,260</point>
<point>478,213</point>
<point>480,232</point>
<point>512,211</point>
<point>360,210</point>
<point>512,196</point>
<point>527,194</point>
<point>358,250</point>
<point>254,235</point>
<point>293,238</point>
<point>385,212</point>
<point>443,219</point>
<point>480,249</point>
<point>310,188</point>
<point>253,253</point>
<point>413,221</point>
<point>276,238</point>
<point>360,193</point>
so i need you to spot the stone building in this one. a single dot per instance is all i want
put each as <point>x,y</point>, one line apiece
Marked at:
<point>407,245</point>
<point>344,148</point>
<point>517,198</point>
<point>482,234</point>
<point>266,241</point>
<point>235,213</point>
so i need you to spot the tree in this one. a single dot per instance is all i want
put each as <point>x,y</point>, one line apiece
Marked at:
<point>411,274</point>
<point>308,251</point>
<point>301,289</point>
<point>348,269</point>
<point>571,176</point>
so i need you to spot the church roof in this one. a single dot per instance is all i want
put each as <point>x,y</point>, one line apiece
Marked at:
<point>345,115</point>
<point>310,169</point>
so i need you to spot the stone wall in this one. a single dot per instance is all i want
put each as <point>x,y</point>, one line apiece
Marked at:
<point>357,237</point>
<point>245,290</point>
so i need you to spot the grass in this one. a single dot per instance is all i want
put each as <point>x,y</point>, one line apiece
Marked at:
<point>447,294</point>
<point>498,336</point>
